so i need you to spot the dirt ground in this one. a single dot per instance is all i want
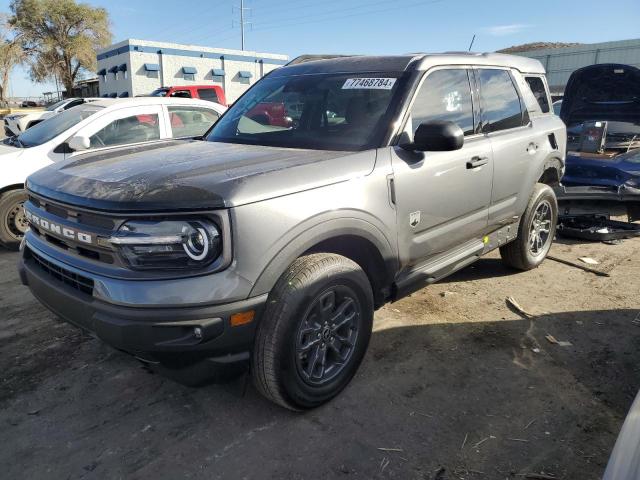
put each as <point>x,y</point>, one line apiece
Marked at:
<point>455,385</point>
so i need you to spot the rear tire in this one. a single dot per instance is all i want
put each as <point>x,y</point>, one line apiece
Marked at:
<point>13,223</point>
<point>314,333</point>
<point>536,231</point>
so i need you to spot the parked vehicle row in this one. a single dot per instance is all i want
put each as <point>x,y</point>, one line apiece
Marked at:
<point>272,241</point>
<point>94,126</point>
<point>17,123</point>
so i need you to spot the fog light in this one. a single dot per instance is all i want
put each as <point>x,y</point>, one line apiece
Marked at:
<point>197,332</point>
<point>242,318</point>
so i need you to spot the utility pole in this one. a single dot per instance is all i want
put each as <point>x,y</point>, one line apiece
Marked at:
<point>242,9</point>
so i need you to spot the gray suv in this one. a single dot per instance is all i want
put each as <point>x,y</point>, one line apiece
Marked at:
<point>270,242</point>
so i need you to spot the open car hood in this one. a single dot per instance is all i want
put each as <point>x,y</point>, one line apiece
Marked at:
<point>604,92</point>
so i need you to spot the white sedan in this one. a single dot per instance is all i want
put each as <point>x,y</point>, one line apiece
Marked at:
<point>94,126</point>
<point>17,123</point>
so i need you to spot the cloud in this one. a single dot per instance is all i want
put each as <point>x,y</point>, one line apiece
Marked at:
<point>503,30</point>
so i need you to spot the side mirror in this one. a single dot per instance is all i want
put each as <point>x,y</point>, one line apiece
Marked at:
<point>79,143</point>
<point>437,136</point>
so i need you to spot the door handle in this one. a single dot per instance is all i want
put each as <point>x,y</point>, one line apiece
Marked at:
<point>476,162</point>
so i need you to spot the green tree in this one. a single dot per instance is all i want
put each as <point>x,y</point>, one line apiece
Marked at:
<point>11,54</point>
<point>60,37</point>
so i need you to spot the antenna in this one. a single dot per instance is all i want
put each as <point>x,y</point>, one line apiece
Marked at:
<point>242,9</point>
<point>472,40</point>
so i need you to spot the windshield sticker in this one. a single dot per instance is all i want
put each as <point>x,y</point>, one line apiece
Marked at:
<point>369,84</point>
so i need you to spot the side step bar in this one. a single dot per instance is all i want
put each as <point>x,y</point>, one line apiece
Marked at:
<point>438,268</point>
<point>447,263</point>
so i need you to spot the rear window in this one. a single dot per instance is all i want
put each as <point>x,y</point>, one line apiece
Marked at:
<point>540,92</point>
<point>181,94</point>
<point>208,94</point>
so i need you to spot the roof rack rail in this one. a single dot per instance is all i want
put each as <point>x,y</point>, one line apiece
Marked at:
<point>313,58</point>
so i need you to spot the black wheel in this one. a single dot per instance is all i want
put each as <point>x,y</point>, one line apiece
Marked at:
<point>535,233</point>
<point>314,333</point>
<point>13,222</point>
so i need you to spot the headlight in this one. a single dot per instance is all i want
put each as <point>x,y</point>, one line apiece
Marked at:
<point>17,116</point>
<point>168,244</point>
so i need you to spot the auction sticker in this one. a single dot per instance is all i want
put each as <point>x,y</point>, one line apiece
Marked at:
<point>369,84</point>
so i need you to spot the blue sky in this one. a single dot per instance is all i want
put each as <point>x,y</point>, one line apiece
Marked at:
<point>364,26</point>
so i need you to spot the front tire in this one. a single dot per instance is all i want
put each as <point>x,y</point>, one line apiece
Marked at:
<point>535,233</point>
<point>13,223</point>
<point>314,333</point>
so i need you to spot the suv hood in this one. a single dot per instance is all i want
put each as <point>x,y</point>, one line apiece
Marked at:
<point>193,175</point>
<point>602,92</point>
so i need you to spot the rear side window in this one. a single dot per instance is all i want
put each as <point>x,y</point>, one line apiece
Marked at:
<point>191,122</point>
<point>445,95</point>
<point>540,92</point>
<point>208,94</point>
<point>500,100</point>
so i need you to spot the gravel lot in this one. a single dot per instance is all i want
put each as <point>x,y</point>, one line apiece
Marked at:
<point>451,388</point>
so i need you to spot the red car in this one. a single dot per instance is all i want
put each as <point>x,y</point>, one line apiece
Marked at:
<point>212,93</point>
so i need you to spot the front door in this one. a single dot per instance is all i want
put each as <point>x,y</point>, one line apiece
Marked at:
<point>442,198</point>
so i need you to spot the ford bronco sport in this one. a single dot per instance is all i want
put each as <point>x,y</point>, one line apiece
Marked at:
<point>271,246</point>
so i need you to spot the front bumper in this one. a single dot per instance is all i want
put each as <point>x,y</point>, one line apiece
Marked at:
<point>167,335</point>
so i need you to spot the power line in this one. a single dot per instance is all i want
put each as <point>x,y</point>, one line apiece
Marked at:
<point>300,20</point>
<point>179,28</point>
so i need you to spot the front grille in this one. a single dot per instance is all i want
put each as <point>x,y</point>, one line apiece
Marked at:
<point>77,216</point>
<point>79,282</point>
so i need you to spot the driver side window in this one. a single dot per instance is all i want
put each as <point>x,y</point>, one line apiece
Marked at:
<point>444,95</point>
<point>123,131</point>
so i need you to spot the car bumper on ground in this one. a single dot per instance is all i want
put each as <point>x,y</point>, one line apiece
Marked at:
<point>176,337</point>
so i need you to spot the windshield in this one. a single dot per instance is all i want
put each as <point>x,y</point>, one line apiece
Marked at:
<point>54,126</point>
<point>324,112</point>
<point>159,92</point>
<point>52,107</point>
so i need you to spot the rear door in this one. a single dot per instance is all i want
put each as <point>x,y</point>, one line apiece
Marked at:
<point>442,198</point>
<point>505,121</point>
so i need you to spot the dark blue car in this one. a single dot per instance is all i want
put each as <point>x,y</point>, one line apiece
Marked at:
<point>610,95</point>
<point>618,172</point>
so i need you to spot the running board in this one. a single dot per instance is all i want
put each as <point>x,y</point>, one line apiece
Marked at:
<point>452,261</point>
<point>438,268</point>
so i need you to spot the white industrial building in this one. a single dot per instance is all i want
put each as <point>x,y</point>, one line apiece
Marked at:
<point>137,67</point>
